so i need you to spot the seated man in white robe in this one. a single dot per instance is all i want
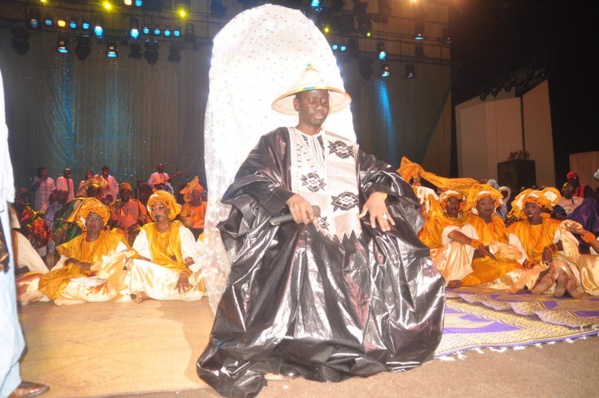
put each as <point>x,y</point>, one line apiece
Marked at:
<point>168,267</point>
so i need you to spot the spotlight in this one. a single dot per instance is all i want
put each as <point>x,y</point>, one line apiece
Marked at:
<point>343,48</point>
<point>82,50</point>
<point>146,28</point>
<point>49,20</point>
<point>419,31</point>
<point>134,28</point>
<point>174,53</point>
<point>34,18</point>
<point>380,49</point>
<point>151,53</point>
<point>73,23</point>
<point>182,7</point>
<point>138,3</point>
<point>99,26</point>
<point>385,69</point>
<point>85,25</point>
<point>177,32</point>
<point>335,46</point>
<point>366,67</point>
<point>447,36</point>
<point>111,50</point>
<point>61,23</point>
<point>135,51</point>
<point>156,31</point>
<point>128,2</point>
<point>62,44</point>
<point>315,4</point>
<point>167,31</point>
<point>365,25</point>
<point>20,40</point>
<point>217,9</point>
<point>410,71</point>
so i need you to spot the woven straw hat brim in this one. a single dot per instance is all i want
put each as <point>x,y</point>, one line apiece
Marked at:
<point>284,104</point>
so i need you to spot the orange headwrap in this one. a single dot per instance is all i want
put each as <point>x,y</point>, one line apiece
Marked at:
<point>91,205</point>
<point>167,199</point>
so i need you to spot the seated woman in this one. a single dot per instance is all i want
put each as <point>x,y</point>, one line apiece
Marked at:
<point>90,267</point>
<point>194,209</point>
<point>496,263</point>
<point>451,250</point>
<point>540,237</point>
<point>587,264</point>
<point>169,266</point>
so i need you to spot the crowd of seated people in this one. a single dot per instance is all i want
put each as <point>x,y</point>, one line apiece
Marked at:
<point>77,245</point>
<point>534,246</point>
<point>543,240</point>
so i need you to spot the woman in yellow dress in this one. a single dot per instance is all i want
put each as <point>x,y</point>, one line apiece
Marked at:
<point>549,243</point>
<point>451,250</point>
<point>496,263</point>
<point>91,264</point>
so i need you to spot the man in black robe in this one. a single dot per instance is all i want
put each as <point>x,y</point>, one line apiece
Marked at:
<point>348,290</point>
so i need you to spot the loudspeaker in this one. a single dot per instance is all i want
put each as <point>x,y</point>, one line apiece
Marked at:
<point>516,174</point>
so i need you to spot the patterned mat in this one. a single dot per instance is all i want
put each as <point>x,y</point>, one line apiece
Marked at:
<point>478,318</point>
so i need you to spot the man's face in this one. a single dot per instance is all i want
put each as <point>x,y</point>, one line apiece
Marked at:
<point>63,196</point>
<point>160,168</point>
<point>159,212</point>
<point>567,191</point>
<point>105,172</point>
<point>125,194</point>
<point>312,106</point>
<point>44,173</point>
<point>67,173</point>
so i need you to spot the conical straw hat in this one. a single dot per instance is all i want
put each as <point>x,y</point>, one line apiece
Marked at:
<point>311,80</point>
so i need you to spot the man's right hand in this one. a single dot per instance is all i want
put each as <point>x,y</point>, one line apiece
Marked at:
<point>300,209</point>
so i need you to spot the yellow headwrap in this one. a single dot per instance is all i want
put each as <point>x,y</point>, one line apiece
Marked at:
<point>167,199</point>
<point>450,193</point>
<point>547,198</point>
<point>409,169</point>
<point>91,205</point>
<point>96,180</point>
<point>124,185</point>
<point>193,185</point>
<point>479,191</point>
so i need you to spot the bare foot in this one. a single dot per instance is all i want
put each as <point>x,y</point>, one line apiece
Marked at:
<point>560,289</point>
<point>454,284</point>
<point>572,287</point>
<point>139,297</point>
<point>545,281</point>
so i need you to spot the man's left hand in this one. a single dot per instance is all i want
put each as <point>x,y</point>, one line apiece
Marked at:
<point>377,208</point>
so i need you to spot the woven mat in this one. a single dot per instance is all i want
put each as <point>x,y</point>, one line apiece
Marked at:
<point>479,318</point>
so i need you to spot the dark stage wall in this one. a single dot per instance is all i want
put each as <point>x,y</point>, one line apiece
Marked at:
<point>129,115</point>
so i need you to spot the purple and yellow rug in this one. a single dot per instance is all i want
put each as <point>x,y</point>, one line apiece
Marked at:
<point>485,318</point>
